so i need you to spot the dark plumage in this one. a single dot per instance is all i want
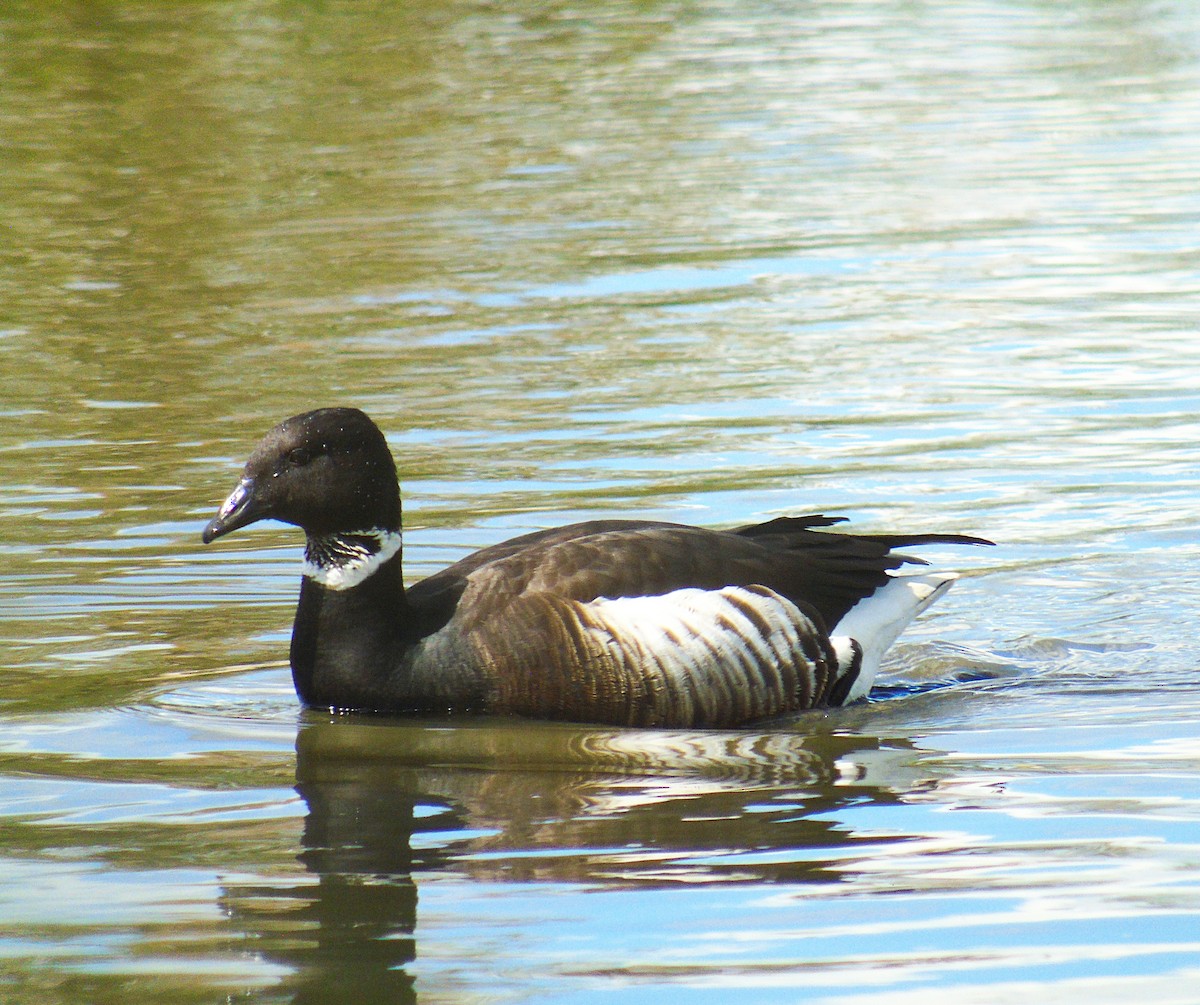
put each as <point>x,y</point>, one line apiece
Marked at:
<point>630,622</point>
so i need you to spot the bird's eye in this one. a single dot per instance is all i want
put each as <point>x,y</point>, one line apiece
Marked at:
<point>299,456</point>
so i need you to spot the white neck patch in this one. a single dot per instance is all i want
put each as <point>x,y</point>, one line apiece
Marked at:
<point>343,561</point>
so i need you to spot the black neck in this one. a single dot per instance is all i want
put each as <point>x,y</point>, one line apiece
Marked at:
<point>346,643</point>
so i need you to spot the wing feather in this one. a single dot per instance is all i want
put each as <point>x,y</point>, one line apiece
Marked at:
<point>825,573</point>
<point>690,657</point>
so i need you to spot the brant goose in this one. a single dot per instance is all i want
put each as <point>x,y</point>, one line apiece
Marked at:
<point>623,622</point>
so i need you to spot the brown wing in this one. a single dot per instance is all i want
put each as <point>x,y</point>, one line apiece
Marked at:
<point>687,658</point>
<point>819,571</point>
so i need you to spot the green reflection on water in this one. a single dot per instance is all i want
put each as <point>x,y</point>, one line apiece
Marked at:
<point>931,264</point>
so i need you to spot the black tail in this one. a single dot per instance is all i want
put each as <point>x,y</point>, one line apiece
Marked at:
<point>833,571</point>
<point>787,526</point>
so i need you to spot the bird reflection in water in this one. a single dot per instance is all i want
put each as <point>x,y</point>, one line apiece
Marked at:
<point>533,802</point>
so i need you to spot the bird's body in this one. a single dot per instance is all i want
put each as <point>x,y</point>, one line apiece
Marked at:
<point>628,622</point>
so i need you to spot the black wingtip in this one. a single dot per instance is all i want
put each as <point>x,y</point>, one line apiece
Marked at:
<point>790,524</point>
<point>959,539</point>
<point>795,524</point>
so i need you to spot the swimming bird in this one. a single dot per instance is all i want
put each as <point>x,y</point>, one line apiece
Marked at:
<point>623,621</point>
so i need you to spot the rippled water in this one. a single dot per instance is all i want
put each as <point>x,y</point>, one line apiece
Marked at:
<point>933,267</point>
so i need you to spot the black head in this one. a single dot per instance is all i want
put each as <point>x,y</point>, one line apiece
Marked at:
<point>326,471</point>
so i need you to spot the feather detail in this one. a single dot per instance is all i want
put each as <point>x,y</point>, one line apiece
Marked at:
<point>343,561</point>
<point>689,657</point>
<point>875,622</point>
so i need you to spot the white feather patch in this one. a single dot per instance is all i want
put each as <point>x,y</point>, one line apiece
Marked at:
<point>699,620</point>
<point>710,644</point>
<point>343,561</point>
<point>876,621</point>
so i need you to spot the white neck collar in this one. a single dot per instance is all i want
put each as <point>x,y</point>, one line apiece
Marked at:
<point>342,561</point>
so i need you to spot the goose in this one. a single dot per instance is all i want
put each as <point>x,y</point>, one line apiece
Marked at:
<point>624,622</point>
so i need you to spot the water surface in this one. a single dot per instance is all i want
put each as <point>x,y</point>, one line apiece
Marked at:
<point>933,267</point>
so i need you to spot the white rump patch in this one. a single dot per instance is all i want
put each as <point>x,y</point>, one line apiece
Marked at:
<point>876,621</point>
<point>343,561</point>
